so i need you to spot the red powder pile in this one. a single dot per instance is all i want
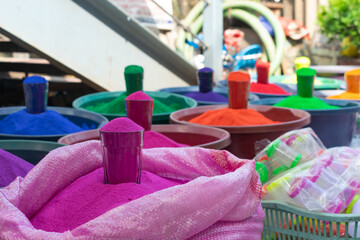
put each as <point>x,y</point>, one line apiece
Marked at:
<point>267,88</point>
<point>154,140</point>
<point>121,124</point>
<point>232,117</point>
<point>88,197</point>
<point>139,95</point>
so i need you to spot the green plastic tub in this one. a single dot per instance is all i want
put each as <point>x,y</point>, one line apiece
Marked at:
<point>160,118</point>
<point>284,221</point>
<point>29,150</point>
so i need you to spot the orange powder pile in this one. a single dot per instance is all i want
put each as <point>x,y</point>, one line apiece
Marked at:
<point>232,117</point>
<point>346,96</point>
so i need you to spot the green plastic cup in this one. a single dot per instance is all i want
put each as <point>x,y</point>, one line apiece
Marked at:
<point>305,82</point>
<point>134,76</point>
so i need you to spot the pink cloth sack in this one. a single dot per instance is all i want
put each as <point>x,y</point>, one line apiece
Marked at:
<point>220,201</point>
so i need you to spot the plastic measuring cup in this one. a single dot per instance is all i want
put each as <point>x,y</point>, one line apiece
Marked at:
<point>302,62</point>
<point>281,153</point>
<point>134,76</point>
<point>36,94</point>
<point>121,150</point>
<point>205,77</point>
<point>305,82</point>
<point>139,108</point>
<point>262,70</point>
<point>238,83</point>
<point>352,79</point>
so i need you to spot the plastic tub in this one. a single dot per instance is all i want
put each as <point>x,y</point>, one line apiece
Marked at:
<point>207,137</point>
<point>335,127</point>
<point>79,117</point>
<point>219,90</point>
<point>29,150</point>
<point>243,138</point>
<point>95,98</point>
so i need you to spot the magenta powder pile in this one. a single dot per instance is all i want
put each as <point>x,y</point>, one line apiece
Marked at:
<point>88,197</point>
<point>11,167</point>
<point>139,95</point>
<point>121,124</point>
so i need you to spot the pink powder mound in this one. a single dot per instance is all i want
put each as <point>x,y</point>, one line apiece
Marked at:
<point>88,197</point>
<point>154,139</point>
<point>139,95</point>
<point>121,124</point>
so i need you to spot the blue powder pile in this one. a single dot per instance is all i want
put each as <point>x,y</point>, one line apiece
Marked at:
<point>46,123</point>
<point>208,97</point>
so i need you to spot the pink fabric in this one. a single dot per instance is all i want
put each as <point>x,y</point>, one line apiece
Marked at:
<point>224,192</point>
<point>154,139</point>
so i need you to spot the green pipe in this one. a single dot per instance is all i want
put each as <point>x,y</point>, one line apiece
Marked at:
<point>280,39</point>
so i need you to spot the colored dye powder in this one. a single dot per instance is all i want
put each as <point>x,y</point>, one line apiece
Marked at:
<point>154,140</point>
<point>46,123</point>
<point>267,88</point>
<point>117,106</point>
<point>232,117</point>
<point>88,197</point>
<point>139,95</point>
<point>11,167</point>
<point>207,97</point>
<point>298,102</point>
<point>346,96</point>
<point>35,79</point>
<point>121,124</point>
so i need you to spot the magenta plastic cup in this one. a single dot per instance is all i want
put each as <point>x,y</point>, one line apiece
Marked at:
<point>140,109</point>
<point>122,156</point>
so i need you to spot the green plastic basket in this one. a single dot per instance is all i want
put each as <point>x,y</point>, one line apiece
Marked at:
<point>284,221</point>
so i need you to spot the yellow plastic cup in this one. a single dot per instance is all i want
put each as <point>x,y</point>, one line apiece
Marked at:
<point>302,62</point>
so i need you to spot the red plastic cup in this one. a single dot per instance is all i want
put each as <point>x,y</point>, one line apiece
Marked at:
<point>262,69</point>
<point>239,84</point>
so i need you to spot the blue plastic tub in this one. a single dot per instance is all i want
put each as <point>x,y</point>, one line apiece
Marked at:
<point>29,150</point>
<point>79,117</point>
<point>219,90</point>
<point>335,127</point>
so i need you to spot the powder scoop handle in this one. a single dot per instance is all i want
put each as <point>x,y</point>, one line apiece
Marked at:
<point>140,110</point>
<point>352,79</point>
<point>238,83</point>
<point>134,76</point>
<point>262,69</point>
<point>36,94</point>
<point>305,82</point>
<point>205,76</point>
<point>121,151</point>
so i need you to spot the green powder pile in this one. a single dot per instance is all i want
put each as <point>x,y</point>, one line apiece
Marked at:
<point>304,103</point>
<point>117,106</point>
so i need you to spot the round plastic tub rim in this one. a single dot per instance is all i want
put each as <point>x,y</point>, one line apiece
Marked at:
<point>176,117</point>
<point>223,137</point>
<point>108,96</point>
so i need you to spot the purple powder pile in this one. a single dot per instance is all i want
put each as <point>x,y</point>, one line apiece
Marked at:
<point>121,124</point>
<point>207,97</point>
<point>11,167</point>
<point>88,197</point>
<point>46,123</point>
<point>139,95</point>
<point>154,140</point>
